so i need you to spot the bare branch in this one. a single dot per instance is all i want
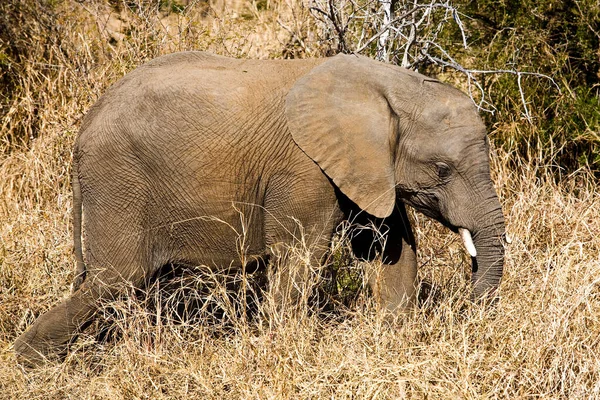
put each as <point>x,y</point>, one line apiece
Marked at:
<point>382,53</point>
<point>407,33</point>
<point>523,98</point>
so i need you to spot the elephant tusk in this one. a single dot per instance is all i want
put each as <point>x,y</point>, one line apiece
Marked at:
<point>507,238</point>
<point>468,241</point>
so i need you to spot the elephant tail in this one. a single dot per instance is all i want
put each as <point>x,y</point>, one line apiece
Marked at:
<point>77,212</point>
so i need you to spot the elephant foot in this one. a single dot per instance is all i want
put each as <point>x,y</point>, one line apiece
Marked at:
<point>32,351</point>
<point>49,337</point>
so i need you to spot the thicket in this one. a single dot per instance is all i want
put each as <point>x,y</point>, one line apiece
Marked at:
<point>559,39</point>
<point>556,38</point>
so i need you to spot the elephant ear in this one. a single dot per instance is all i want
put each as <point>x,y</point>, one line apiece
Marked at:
<point>338,115</point>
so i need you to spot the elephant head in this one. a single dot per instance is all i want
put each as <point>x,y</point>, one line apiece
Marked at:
<point>384,134</point>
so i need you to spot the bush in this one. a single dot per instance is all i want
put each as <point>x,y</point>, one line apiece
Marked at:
<point>556,38</point>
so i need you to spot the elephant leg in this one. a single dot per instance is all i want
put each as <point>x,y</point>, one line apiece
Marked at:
<point>49,337</point>
<point>297,244</point>
<point>394,284</point>
<point>284,277</point>
<point>291,279</point>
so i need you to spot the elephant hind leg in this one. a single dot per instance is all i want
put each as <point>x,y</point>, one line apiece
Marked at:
<point>50,335</point>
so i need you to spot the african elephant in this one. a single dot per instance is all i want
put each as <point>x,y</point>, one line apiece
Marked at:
<point>188,150</point>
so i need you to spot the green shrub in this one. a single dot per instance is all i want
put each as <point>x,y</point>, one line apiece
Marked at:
<point>556,38</point>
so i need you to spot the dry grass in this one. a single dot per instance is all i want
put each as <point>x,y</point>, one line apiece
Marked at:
<point>542,339</point>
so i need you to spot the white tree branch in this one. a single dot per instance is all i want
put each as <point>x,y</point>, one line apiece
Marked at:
<point>407,33</point>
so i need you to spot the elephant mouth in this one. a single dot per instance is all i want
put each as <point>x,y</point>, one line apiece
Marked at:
<point>467,238</point>
<point>465,235</point>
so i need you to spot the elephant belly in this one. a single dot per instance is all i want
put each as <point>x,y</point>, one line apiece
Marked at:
<point>218,235</point>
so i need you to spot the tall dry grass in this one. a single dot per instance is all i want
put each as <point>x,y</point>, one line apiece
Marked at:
<point>541,340</point>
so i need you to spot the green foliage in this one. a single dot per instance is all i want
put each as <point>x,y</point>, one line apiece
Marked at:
<point>346,278</point>
<point>172,6</point>
<point>556,38</point>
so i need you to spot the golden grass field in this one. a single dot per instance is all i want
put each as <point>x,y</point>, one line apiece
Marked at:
<point>542,340</point>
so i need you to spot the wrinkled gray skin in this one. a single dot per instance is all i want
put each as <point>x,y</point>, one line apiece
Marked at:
<point>179,152</point>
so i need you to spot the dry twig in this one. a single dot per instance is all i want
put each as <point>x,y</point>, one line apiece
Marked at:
<point>406,33</point>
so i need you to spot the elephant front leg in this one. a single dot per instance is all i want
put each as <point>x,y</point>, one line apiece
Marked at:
<point>394,285</point>
<point>301,218</point>
<point>394,282</point>
<point>292,276</point>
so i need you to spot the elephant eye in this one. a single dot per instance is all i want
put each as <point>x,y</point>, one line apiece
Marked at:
<point>443,170</point>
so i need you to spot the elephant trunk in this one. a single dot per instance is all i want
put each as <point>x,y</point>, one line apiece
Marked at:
<point>488,239</point>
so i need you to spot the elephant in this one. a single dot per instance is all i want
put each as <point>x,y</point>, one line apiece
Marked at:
<point>187,151</point>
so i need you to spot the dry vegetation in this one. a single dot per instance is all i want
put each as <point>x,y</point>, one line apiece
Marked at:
<point>541,340</point>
